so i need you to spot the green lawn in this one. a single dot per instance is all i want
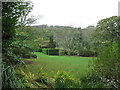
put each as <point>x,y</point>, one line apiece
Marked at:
<point>75,65</point>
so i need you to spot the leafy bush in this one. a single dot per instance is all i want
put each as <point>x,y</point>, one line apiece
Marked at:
<point>21,50</point>
<point>42,77</point>
<point>72,52</point>
<point>63,52</point>
<point>91,81</point>
<point>8,56</point>
<point>28,55</point>
<point>106,41</point>
<point>45,46</point>
<point>40,50</point>
<point>45,51</point>
<point>107,65</point>
<point>37,80</point>
<point>34,56</point>
<point>64,80</point>
<point>10,78</point>
<point>86,53</point>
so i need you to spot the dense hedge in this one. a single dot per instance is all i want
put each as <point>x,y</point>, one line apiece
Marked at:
<point>84,53</point>
<point>45,51</point>
<point>50,51</point>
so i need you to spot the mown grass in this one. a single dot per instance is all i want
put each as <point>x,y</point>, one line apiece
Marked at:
<point>75,65</point>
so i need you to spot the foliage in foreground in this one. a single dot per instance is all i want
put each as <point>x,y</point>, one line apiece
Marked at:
<point>40,80</point>
<point>37,80</point>
<point>62,79</point>
<point>107,66</point>
<point>13,13</point>
<point>107,44</point>
<point>91,81</point>
<point>10,78</point>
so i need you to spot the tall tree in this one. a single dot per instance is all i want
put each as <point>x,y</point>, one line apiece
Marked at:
<point>11,13</point>
<point>51,42</point>
<point>107,30</point>
<point>78,39</point>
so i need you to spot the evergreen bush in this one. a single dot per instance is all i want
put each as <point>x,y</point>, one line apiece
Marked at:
<point>86,53</point>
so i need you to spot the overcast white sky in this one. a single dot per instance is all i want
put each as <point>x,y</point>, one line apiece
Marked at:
<point>79,13</point>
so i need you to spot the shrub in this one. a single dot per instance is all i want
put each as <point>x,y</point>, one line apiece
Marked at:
<point>42,77</point>
<point>64,80</point>
<point>63,52</point>
<point>86,53</point>
<point>45,51</point>
<point>45,46</point>
<point>34,56</point>
<point>10,78</point>
<point>91,80</point>
<point>40,50</point>
<point>72,52</point>
<point>29,55</point>
<point>37,80</point>
<point>23,52</point>
<point>107,65</point>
